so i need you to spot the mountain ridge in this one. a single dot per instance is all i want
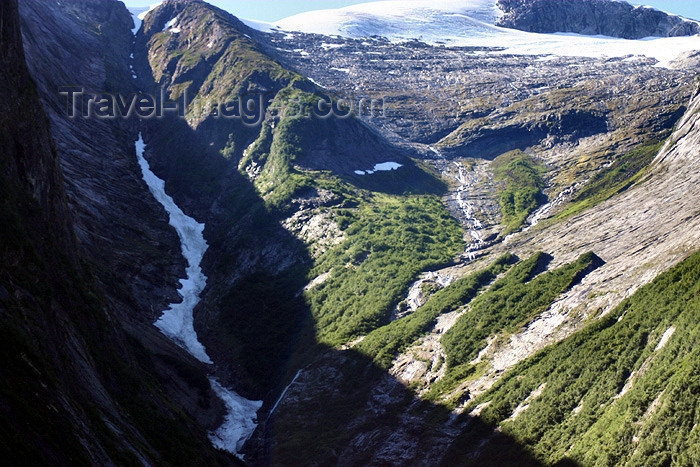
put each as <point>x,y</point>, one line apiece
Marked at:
<point>593,17</point>
<point>82,383</point>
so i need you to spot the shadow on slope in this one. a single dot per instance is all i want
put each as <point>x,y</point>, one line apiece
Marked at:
<point>259,331</point>
<point>253,319</point>
<point>75,387</point>
<point>343,410</point>
<point>251,312</point>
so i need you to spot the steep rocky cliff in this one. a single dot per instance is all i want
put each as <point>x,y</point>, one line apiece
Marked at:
<point>82,383</point>
<point>29,157</point>
<point>85,45</point>
<point>593,17</point>
<point>579,120</point>
<point>647,235</point>
<point>248,180</point>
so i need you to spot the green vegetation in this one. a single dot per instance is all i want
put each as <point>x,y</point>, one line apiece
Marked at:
<point>275,151</point>
<point>383,344</point>
<point>237,66</point>
<point>505,307</point>
<point>390,240</point>
<point>285,152</point>
<point>523,192</point>
<point>279,181</point>
<point>583,415</point>
<point>622,174</point>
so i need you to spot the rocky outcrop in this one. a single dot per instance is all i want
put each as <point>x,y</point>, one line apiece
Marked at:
<point>341,410</point>
<point>639,234</point>
<point>109,389</point>
<point>593,17</point>
<point>29,155</point>
<point>486,139</point>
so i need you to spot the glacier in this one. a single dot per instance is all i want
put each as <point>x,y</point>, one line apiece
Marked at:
<point>469,23</point>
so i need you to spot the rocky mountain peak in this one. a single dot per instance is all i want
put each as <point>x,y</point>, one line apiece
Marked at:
<point>593,17</point>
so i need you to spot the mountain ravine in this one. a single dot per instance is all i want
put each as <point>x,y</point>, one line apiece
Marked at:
<point>433,235</point>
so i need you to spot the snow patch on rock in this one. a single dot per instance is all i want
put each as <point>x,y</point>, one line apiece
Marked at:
<point>381,167</point>
<point>177,322</point>
<point>240,421</point>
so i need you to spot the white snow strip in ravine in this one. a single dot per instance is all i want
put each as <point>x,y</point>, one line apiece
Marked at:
<point>139,13</point>
<point>177,322</point>
<point>240,421</point>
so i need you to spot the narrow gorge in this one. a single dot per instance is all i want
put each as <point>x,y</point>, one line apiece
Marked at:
<point>177,322</point>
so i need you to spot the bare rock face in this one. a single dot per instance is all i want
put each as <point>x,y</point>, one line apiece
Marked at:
<point>593,17</point>
<point>574,114</point>
<point>29,156</point>
<point>639,233</point>
<point>86,44</point>
<point>76,386</point>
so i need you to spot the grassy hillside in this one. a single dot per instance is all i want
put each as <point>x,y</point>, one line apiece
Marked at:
<point>504,308</point>
<point>522,176</point>
<point>383,344</point>
<point>618,177</point>
<point>623,391</point>
<point>390,240</point>
<point>246,181</point>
